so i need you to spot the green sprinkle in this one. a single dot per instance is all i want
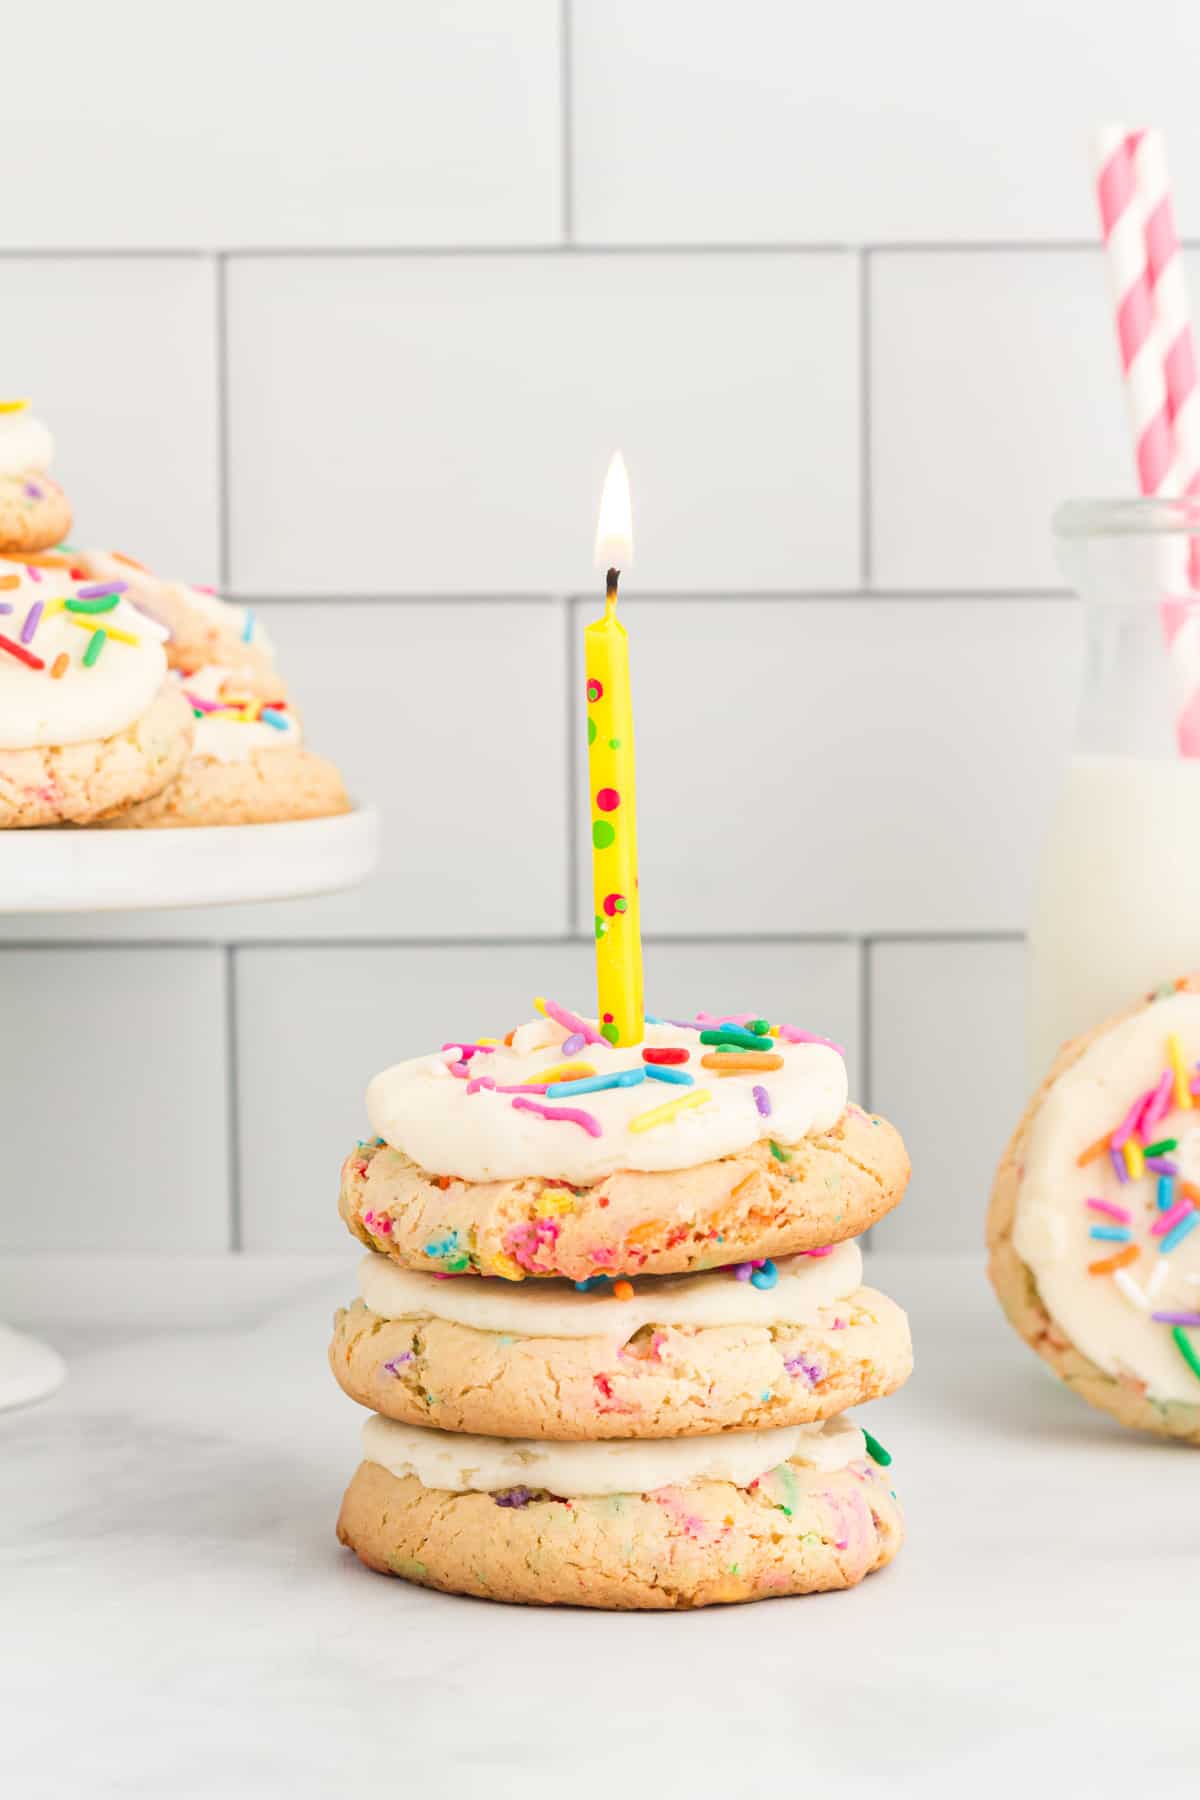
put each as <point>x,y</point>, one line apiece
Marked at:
<point>777,1151</point>
<point>96,644</point>
<point>610,1032</point>
<point>759,1027</point>
<point>732,1037</point>
<point>785,1510</point>
<point>877,1453</point>
<point>614,743</point>
<point>734,1568</point>
<point>1160,1149</point>
<point>1184,1346</point>
<point>104,605</point>
<point>458,1265</point>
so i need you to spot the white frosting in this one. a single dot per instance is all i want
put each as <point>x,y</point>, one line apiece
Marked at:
<point>555,1309</point>
<point>420,1108</point>
<point>171,600</point>
<point>26,447</point>
<point>225,738</point>
<point>82,704</point>
<point>461,1464</point>
<point>1106,1316</point>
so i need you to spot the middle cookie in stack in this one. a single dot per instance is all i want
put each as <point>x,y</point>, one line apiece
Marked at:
<point>630,1202</point>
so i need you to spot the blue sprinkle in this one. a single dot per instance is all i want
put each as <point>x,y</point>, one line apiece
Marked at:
<point>271,715</point>
<point>595,1084</point>
<point>664,1072</point>
<point>766,1277</point>
<point>1111,1234</point>
<point>1174,1238</point>
<point>1166,1192</point>
<point>248,628</point>
<point>585,1287</point>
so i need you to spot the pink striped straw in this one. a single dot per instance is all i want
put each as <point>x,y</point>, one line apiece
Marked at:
<point>1125,219</point>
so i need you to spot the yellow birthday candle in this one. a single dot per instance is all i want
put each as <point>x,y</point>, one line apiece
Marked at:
<point>612,784</point>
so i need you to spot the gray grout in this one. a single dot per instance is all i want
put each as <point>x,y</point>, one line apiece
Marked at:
<point>673,596</point>
<point>567,102</point>
<point>717,247</point>
<point>573,769</point>
<point>224,484</point>
<point>232,1100</point>
<point>544,941</point>
<point>865,498</point>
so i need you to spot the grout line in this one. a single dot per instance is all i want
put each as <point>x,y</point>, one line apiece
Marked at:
<point>224,483</point>
<point>232,1102</point>
<point>864,1023</point>
<point>865,1099</point>
<point>571,940</point>
<point>574,769</point>
<point>673,596</point>
<point>716,247</point>
<point>567,101</point>
<point>865,499</point>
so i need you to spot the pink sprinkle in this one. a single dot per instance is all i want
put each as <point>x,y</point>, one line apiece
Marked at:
<point>1159,1103</point>
<point>571,1022</point>
<point>1128,1125</point>
<point>790,1035</point>
<point>33,574</point>
<point>200,705</point>
<point>486,1081</point>
<point>1121,1213</point>
<point>1168,1220</point>
<point>460,1069</point>
<point>825,1250</point>
<point>574,1115</point>
<point>470,1050</point>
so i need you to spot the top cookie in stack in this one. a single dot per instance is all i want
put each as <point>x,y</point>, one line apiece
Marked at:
<point>665,1431</point>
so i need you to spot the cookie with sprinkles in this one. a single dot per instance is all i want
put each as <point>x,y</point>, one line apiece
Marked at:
<point>249,764</point>
<point>741,1349</point>
<point>636,1526</point>
<point>200,627</point>
<point>89,721</point>
<point>1094,1223</point>
<point>35,514</point>
<point>553,1153</point>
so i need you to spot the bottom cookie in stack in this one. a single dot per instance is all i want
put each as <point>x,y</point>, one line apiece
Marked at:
<point>639,1524</point>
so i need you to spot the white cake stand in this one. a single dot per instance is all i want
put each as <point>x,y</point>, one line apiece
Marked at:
<point>109,871</point>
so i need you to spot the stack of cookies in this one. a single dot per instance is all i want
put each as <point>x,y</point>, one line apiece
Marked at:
<point>127,700</point>
<point>613,1314</point>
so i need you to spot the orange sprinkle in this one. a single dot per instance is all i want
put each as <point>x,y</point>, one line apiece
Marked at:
<point>1121,1260</point>
<point>1190,1192</point>
<point>737,1062</point>
<point>58,667</point>
<point>9,581</point>
<point>622,1290</point>
<point>45,559</point>
<point>129,561</point>
<point>1094,1150</point>
<point>508,1040</point>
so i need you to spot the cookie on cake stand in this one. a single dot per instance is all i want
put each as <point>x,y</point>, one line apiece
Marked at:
<point>35,514</point>
<point>90,723</point>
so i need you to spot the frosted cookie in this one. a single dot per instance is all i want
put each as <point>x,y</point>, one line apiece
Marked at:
<point>201,627</point>
<point>639,1525</point>
<point>735,1349</point>
<point>34,511</point>
<point>89,722</point>
<point>1093,1225</point>
<point>248,764</point>
<point>557,1154</point>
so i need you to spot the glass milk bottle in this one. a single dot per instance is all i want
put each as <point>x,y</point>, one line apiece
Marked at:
<point>1117,901</point>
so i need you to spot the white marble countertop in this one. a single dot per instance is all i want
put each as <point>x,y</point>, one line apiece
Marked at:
<point>178,1620</point>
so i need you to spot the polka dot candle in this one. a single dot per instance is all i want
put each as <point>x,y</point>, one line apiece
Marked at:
<point>612,792</point>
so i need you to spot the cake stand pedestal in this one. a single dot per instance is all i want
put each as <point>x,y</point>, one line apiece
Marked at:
<point>110,871</point>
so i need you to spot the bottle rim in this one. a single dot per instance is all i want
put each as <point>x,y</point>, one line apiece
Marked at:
<point>1152,517</point>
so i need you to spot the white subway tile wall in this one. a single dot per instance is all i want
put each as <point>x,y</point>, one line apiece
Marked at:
<point>356,336</point>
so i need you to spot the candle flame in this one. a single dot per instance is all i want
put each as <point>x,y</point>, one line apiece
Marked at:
<point>614,528</point>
